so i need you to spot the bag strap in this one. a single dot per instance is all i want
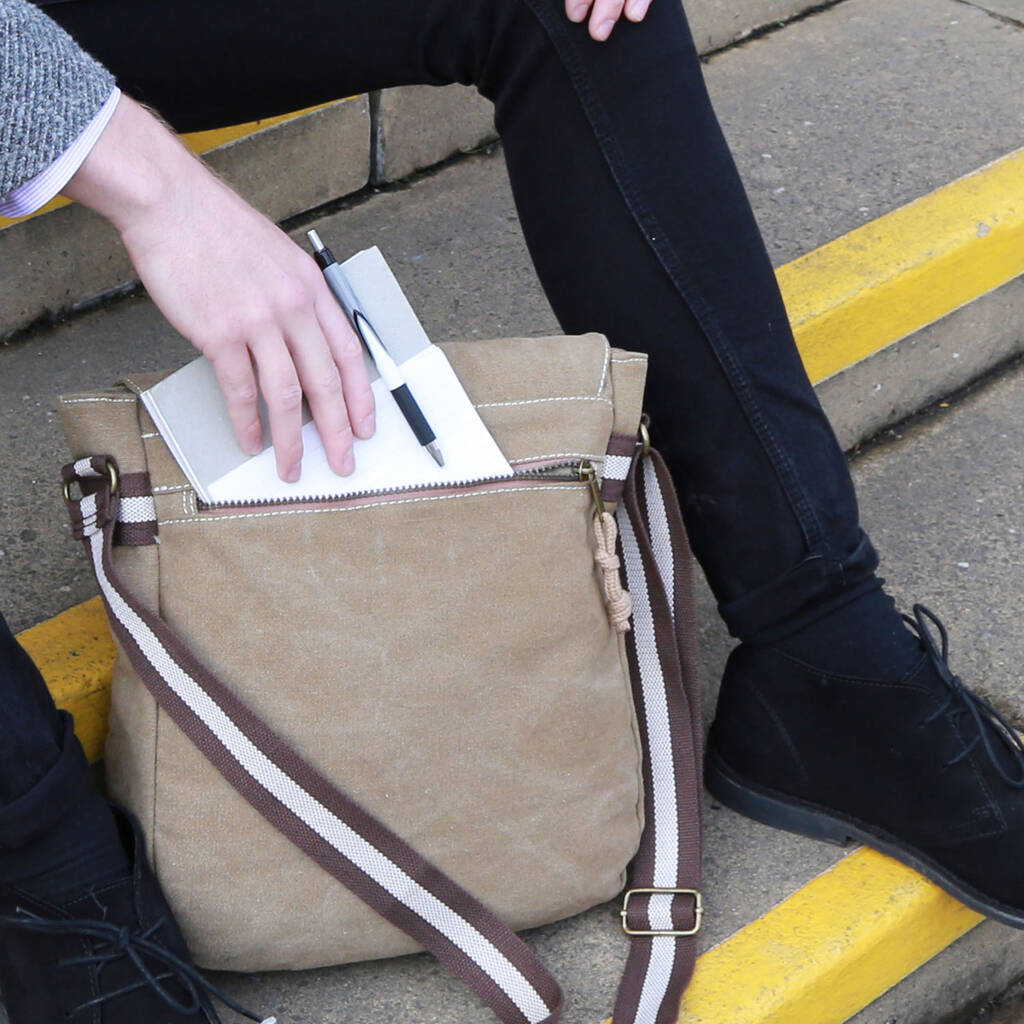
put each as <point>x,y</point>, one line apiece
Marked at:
<point>662,909</point>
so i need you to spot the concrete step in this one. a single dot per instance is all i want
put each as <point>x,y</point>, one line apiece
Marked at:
<point>796,931</point>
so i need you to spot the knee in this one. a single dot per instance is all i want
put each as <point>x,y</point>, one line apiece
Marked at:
<point>508,42</point>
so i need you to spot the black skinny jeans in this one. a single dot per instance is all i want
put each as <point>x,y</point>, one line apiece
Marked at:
<point>634,215</point>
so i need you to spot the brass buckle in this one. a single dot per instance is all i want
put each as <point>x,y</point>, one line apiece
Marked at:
<point>111,477</point>
<point>698,911</point>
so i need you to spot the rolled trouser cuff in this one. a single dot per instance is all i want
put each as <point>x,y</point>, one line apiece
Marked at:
<point>40,807</point>
<point>814,587</point>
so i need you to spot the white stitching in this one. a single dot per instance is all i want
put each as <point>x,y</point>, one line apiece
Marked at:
<point>205,518</point>
<point>604,370</point>
<point>554,455</point>
<point>632,359</point>
<point>170,489</point>
<point>82,401</point>
<point>536,401</point>
<point>152,433</point>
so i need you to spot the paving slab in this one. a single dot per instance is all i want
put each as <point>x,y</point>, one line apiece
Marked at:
<point>855,111</point>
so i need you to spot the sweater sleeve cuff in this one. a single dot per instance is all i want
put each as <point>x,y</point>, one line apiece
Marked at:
<point>47,183</point>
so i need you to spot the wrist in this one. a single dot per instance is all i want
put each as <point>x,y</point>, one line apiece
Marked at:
<point>136,166</point>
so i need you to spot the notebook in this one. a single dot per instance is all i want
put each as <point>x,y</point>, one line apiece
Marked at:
<point>191,414</point>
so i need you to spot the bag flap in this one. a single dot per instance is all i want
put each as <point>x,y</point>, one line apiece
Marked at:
<point>541,398</point>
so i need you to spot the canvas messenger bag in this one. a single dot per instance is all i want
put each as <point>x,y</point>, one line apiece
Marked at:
<point>474,707</point>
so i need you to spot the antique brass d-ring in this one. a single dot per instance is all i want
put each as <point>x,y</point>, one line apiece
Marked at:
<point>112,477</point>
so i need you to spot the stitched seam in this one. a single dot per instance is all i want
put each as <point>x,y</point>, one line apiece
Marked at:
<point>632,359</point>
<point>985,788</point>
<point>360,508</point>
<point>84,401</point>
<point>901,684</point>
<point>783,731</point>
<point>538,401</point>
<point>170,488</point>
<point>604,368</point>
<point>555,455</point>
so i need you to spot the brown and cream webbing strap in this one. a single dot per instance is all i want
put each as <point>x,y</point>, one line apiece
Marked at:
<point>662,909</point>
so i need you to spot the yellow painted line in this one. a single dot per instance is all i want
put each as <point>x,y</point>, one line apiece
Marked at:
<point>827,951</point>
<point>198,142</point>
<point>75,653</point>
<point>907,269</point>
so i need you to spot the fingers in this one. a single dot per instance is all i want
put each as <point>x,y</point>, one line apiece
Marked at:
<point>237,380</point>
<point>279,383</point>
<point>605,13</point>
<point>577,10</point>
<point>347,351</point>
<point>636,10</point>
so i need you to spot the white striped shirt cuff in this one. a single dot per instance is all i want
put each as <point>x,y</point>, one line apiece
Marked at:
<point>38,191</point>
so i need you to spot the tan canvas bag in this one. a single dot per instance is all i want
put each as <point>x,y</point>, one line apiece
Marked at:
<point>426,694</point>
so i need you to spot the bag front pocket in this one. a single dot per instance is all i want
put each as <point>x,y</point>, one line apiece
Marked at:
<point>445,658</point>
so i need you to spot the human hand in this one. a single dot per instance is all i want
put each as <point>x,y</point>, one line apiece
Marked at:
<point>605,13</point>
<point>234,285</point>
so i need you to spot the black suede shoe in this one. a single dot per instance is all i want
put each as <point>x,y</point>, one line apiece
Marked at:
<point>111,955</point>
<point>920,767</point>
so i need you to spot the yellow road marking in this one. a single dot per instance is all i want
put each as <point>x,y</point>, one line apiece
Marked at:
<point>907,269</point>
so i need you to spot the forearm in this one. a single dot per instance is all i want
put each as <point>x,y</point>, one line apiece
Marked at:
<point>138,164</point>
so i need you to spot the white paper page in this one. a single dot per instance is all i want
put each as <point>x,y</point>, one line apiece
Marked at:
<point>392,458</point>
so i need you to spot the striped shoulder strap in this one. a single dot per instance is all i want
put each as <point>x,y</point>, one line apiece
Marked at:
<point>662,908</point>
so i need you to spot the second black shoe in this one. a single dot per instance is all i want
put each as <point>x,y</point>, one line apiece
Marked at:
<point>918,767</point>
<point>109,954</point>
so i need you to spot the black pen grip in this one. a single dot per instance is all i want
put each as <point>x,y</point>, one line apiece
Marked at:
<point>412,414</point>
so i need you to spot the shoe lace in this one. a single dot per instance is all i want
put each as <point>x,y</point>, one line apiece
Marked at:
<point>960,698</point>
<point>111,942</point>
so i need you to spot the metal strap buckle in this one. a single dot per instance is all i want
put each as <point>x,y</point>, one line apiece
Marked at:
<point>112,479</point>
<point>698,911</point>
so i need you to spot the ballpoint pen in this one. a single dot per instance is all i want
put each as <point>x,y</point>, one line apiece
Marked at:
<point>386,366</point>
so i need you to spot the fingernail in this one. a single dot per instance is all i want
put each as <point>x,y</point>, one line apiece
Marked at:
<point>604,30</point>
<point>292,475</point>
<point>368,426</point>
<point>638,8</point>
<point>348,464</point>
<point>579,12</point>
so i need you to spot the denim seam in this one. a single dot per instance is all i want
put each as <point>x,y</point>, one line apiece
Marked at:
<point>806,517</point>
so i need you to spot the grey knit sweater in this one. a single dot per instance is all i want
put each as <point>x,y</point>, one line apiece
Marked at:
<point>50,89</point>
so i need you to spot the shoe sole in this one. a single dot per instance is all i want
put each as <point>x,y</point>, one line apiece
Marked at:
<point>806,819</point>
